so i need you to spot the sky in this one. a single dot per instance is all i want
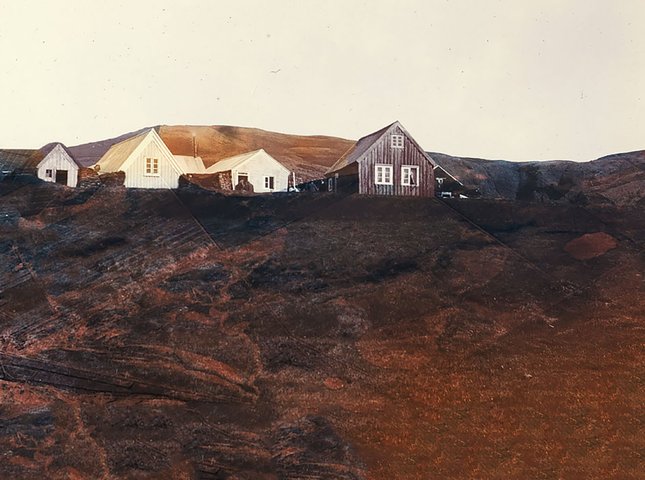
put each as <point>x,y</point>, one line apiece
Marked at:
<point>508,79</point>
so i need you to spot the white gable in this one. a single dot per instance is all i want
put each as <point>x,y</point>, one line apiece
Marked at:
<point>263,171</point>
<point>58,166</point>
<point>133,156</point>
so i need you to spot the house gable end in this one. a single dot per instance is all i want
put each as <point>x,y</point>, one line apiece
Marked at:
<point>62,153</point>
<point>396,126</point>
<point>152,137</point>
<point>267,156</point>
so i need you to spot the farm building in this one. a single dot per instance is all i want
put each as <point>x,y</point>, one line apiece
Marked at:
<point>52,163</point>
<point>146,162</point>
<point>255,171</point>
<point>386,162</point>
<point>57,165</point>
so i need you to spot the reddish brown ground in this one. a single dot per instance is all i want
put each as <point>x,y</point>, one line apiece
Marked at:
<point>590,245</point>
<point>161,335</point>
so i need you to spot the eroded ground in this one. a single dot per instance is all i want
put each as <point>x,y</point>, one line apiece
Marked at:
<point>162,335</point>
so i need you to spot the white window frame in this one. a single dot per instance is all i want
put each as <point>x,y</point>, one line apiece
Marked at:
<point>49,173</point>
<point>396,141</point>
<point>381,173</point>
<point>405,177</point>
<point>152,167</point>
<point>269,182</point>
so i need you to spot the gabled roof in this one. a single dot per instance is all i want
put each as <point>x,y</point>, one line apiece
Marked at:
<point>447,173</point>
<point>365,144</point>
<point>231,163</point>
<point>42,154</point>
<point>190,164</point>
<point>116,156</point>
<point>122,154</point>
<point>358,149</point>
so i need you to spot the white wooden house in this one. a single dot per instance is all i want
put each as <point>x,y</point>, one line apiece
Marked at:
<point>146,161</point>
<point>58,166</point>
<point>258,168</point>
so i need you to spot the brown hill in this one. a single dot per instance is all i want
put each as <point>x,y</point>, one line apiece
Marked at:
<point>308,156</point>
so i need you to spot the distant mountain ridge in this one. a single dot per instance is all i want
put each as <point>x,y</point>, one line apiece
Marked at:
<point>617,178</point>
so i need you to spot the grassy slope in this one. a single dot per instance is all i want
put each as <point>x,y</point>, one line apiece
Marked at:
<point>161,335</point>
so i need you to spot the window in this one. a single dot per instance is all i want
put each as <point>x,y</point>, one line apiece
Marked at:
<point>384,174</point>
<point>269,182</point>
<point>397,141</point>
<point>152,166</point>
<point>49,173</point>
<point>409,176</point>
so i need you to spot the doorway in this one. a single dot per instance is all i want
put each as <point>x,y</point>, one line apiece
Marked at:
<point>61,177</point>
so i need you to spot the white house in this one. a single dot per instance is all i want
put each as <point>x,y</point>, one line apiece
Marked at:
<point>146,161</point>
<point>258,168</point>
<point>58,166</point>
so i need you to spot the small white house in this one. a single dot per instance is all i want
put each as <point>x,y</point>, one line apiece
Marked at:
<point>258,168</point>
<point>58,166</point>
<point>146,161</point>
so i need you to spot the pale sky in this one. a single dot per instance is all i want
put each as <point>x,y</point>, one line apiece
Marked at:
<point>510,79</point>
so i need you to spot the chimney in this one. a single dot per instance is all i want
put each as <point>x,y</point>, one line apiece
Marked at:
<point>194,146</point>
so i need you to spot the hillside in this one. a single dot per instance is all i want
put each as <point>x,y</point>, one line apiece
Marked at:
<point>188,335</point>
<point>618,178</point>
<point>308,156</point>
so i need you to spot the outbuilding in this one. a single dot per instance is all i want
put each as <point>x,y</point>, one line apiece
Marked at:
<point>57,165</point>
<point>255,171</point>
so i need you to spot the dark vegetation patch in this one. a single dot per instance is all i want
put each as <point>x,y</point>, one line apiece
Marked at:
<point>209,278</point>
<point>286,352</point>
<point>389,268</point>
<point>87,249</point>
<point>274,275</point>
<point>34,425</point>
<point>313,445</point>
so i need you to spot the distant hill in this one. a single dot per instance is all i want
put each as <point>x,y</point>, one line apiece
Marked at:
<point>618,178</point>
<point>308,156</point>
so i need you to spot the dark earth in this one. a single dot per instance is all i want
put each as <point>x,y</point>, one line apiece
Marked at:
<point>190,335</point>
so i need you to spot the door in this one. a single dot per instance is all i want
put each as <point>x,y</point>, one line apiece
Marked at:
<point>61,177</point>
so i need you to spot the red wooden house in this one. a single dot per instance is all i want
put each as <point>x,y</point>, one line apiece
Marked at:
<point>386,162</point>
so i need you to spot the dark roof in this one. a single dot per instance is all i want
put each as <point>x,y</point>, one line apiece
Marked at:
<point>358,149</point>
<point>365,143</point>
<point>16,160</point>
<point>439,167</point>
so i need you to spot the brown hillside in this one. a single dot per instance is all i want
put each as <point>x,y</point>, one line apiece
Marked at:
<point>308,156</point>
<point>189,335</point>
